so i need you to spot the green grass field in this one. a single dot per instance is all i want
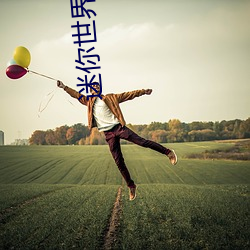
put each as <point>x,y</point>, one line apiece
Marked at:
<point>62,197</point>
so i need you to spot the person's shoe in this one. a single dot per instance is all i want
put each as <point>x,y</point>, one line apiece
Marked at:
<point>172,157</point>
<point>132,193</point>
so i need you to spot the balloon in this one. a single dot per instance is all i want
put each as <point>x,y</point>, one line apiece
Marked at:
<point>11,62</point>
<point>22,56</point>
<point>15,71</point>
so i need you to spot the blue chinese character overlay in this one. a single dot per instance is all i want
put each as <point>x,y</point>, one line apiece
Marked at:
<point>80,36</point>
<point>90,85</point>
<point>77,9</point>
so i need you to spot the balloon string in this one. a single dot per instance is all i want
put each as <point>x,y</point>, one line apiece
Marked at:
<point>51,78</point>
<point>49,96</point>
<point>41,109</point>
<point>71,103</point>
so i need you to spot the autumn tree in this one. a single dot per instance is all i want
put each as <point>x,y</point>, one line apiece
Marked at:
<point>175,133</point>
<point>38,138</point>
<point>95,138</point>
<point>159,135</point>
<point>60,134</point>
<point>76,133</point>
<point>70,136</point>
<point>50,137</point>
<point>157,125</point>
<point>244,129</point>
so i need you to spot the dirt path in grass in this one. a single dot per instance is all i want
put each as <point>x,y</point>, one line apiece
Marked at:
<point>112,230</point>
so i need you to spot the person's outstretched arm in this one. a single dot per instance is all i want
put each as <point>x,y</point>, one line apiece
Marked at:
<point>132,94</point>
<point>82,98</point>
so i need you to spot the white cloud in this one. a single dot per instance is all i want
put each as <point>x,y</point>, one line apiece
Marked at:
<point>190,57</point>
<point>124,33</point>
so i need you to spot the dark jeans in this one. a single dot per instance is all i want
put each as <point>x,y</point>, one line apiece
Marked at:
<point>113,137</point>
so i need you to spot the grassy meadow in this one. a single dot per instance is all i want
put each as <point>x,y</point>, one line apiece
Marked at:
<point>62,197</point>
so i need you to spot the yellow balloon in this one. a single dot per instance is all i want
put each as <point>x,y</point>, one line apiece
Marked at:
<point>22,56</point>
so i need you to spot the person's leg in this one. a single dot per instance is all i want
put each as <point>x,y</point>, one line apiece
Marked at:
<point>115,149</point>
<point>131,136</point>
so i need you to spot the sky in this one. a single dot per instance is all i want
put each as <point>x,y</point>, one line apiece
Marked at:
<point>194,54</point>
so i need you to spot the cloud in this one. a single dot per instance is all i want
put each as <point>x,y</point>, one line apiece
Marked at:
<point>214,44</point>
<point>124,33</point>
<point>55,57</point>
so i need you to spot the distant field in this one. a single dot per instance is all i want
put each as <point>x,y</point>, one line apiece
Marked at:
<point>61,197</point>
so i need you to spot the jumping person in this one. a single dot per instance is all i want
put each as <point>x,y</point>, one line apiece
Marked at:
<point>105,114</point>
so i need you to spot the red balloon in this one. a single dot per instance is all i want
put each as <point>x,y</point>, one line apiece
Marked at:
<point>15,71</point>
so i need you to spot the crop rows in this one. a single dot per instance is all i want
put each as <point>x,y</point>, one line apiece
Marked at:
<point>62,197</point>
<point>66,218</point>
<point>187,217</point>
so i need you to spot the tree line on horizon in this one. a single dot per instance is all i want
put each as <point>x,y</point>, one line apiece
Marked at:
<point>172,131</point>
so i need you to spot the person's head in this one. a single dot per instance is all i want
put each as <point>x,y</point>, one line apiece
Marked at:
<point>95,88</point>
